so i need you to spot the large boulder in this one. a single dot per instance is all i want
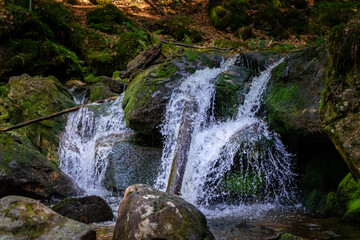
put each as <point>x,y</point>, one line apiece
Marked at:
<point>25,218</point>
<point>24,171</point>
<point>292,98</point>
<point>146,213</point>
<point>340,108</point>
<point>27,98</point>
<point>86,209</point>
<point>148,93</point>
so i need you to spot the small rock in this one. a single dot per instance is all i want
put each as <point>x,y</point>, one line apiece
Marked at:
<point>86,209</point>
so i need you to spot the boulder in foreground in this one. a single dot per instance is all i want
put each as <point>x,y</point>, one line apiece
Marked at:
<point>146,213</point>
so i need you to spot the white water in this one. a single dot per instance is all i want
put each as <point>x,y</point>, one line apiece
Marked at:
<point>215,145</point>
<point>88,139</point>
<point>198,87</point>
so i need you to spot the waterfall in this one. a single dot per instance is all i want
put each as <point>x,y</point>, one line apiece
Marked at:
<point>197,89</point>
<point>88,139</point>
<point>241,153</point>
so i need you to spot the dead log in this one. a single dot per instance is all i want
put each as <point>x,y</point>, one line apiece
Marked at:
<point>159,10</point>
<point>182,148</point>
<point>193,46</point>
<point>23,124</point>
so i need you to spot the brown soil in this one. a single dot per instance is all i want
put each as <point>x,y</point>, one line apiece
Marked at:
<point>146,16</point>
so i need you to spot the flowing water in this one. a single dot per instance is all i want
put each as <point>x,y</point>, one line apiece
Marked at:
<point>238,171</point>
<point>216,147</point>
<point>89,137</point>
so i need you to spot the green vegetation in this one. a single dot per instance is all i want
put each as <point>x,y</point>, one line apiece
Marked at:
<point>108,19</point>
<point>179,28</point>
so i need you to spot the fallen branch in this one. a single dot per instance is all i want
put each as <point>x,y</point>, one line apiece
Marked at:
<point>159,10</point>
<point>20,125</point>
<point>193,46</point>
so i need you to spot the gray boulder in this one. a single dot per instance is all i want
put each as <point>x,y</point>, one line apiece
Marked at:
<point>146,213</point>
<point>25,218</point>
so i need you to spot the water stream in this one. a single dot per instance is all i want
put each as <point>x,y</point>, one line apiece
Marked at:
<point>237,170</point>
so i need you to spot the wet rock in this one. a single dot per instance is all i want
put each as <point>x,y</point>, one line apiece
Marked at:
<point>340,110</point>
<point>24,171</point>
<point>292,98</point>
<point>148,93</point>
<point>132,161</point>
<point>142,61</point>
<point>86,209</point>
<point>231,87</point>
<point>25,218</point>
<point>146,213</point>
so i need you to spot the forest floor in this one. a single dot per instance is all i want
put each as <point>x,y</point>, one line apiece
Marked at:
<point>146,16</point>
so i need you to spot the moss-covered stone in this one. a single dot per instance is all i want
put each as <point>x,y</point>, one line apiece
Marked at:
<point>180,28</point>
<point>107,19</point>
<point>148,93</point>
<point>25,218</point>
<point>35,97</point>
<point>47,58</point>
<point>292,98</point>
<point>230,91</point>
<point>99,91</point>
<point>223,17</point>
<point>26,172</point>
<point>345,201</point>
<point>146,97</point>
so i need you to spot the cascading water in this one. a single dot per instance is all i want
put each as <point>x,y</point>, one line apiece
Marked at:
<point>88,139</point>
<point>196,89</point>
<point>242,152</point>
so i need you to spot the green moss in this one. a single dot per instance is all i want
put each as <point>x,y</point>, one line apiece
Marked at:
<point>97,92</point>
<point>241,183</point>
<point>91,78</point>
<point>288,236</point>
<point>180,28</point>
<point>166,70</point>
<point>107,19</point>
<point>284,98</point>
<point>191,55</point>
<point>225,17</point>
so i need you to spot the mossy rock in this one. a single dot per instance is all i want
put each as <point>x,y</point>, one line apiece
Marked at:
<point>345,201</point>
<point>148,93</point>
<point>292,98</point>
<point>288,236</point>
<point>99,91</point>
<point>180,28</point>
<point>47,58</point>
<point>146,97</point>
<point>223,18</point>
<point>25,218</point>
<point>230,87</point>
<point>107,19</point>
<point>35,97</point>
<point>26,172</point>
